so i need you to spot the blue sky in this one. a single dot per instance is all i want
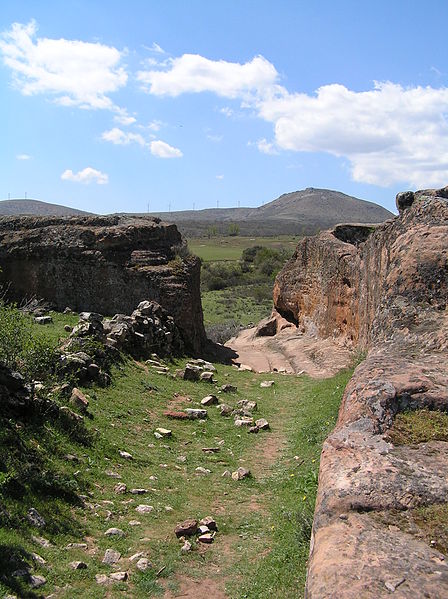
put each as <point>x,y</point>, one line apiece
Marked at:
<point>113,106</point>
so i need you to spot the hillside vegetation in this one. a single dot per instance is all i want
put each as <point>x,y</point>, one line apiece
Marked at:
<point>70,482</point>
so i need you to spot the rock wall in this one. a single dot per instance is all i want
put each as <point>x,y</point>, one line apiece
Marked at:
<point>103,264</point>
<point>383,289</point>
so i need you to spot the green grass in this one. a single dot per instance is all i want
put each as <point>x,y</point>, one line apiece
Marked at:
<point>264,522</point>
<point>236,304</point>
<point>419,426</point>
<point>217,249</point>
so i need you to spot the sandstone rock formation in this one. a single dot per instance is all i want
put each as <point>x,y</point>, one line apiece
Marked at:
<point>382,289</point>
<point>105,264</point>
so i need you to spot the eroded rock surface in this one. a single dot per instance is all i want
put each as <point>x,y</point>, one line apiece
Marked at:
<point>105,264</point>
<point>382,289</point>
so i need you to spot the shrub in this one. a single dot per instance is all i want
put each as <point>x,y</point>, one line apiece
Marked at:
<point>20,348</point>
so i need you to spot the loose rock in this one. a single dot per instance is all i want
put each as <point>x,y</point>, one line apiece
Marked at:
<point>111,557</point>
<point>144,509</point>
<point>262,424</point>
<point>78,565</point>
<point>187,528</point>
<point>227,388</point>
<point>195,413</point>
<point>125,455</point>
<point>114,532</point>
<point>35,518</point>
<point>120,488</point>
<point>210,400</point>
<point>143,564</point>
<point>240,473</point>
<point>209,522</point>
<point>266,384</point>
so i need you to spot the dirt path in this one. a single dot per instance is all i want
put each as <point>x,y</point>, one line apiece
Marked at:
<point>290,351</point>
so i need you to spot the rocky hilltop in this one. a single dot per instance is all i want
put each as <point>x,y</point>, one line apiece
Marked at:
<point>383,290</point>
<point>103,264</point>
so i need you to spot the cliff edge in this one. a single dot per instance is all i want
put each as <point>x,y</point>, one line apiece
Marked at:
<point>382,289</point>
<point>105,264</point>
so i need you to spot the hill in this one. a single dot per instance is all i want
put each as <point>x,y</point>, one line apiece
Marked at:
<point>36,208</point>
<point>298,212</point>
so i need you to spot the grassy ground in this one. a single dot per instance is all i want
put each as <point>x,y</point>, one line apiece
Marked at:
<point>264,522</point>
<point>419,426</point>
<point>231,248</point>
<point>237,303</point>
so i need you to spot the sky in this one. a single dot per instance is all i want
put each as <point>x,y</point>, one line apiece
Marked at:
<point>136,106</point>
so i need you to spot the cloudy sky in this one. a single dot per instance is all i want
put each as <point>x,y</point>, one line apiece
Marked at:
<point>120,106</point>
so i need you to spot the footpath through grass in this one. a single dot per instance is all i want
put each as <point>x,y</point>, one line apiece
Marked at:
<point>264,522</point>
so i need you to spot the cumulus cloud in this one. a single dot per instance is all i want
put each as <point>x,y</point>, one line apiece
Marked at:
<point>23,157</point>
<point>74,72</point>
<point>389,134</point>
<point>119,137</point>
<point>86,176</point>
<point>194,73</point>
<point>163,150</point>
<point>124,119</point>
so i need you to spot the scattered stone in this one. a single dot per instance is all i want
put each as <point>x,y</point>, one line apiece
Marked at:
<point>209,522</point>
<point>41,541</point>
<point>43,319</point>
<point>187,528</point>
<point>253,429</point>
<point>120,488</point>
<point>186,547</point>
<point>176,415</point>
<point>134,523</point>
<point>191,373</point>
<point>202,530</point>
<point>38,559</point>
<point>35,518</point>
<point>207,377</point>
<point>262,424</point>
<point>245,421</point>
<point>70,415</point>
<point>226,474</point>
<point>207,538</point>
<point>136,556</point>
<point>112,474</point>
<point>77,546</point>
<point>245,404</point>
<point>195,413</point>
<point>114,532</point>
<point>68,328</point>
<point>240,473</point>
<point>163,465</point>
<point>164,432</point>
<point>210,400</point>
<point>211,449</point>
<point>36,581</point>
<point>138,491</point>
<point>144,509</point>
<point>201,470</point>
<point>392,585</point>
<point>158,435</point>
<point>182,458</point>
<point>125,455</point>
<point>228,388</point>
<point>245,368</point>
<point>225,409</point>
<point>79,400</point>
<point>101,578</point>
<point>143,564</point>
<point>111,557</point>
<point>78,565</point>
<point>168,508</point>
<point>266,384</point>
<point>119,576</point>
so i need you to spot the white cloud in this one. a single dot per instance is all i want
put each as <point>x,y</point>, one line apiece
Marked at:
<point>23,157</point>
<point>266,147</point>
<point>163,150</point>
<point>156,48</point>
<point>227,111</point>
<point>220,177</point>
<point>119,137</point>
<point>124,119</point>
<point>194,73</point>
<point>86,176</point>
<point>389,134</point>
<point>214,138</point>
<point>74,72</point>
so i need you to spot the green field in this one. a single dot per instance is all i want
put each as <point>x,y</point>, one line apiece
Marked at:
<point>231,248</point>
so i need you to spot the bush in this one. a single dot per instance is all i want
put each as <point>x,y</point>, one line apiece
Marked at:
<point>20,348</point>
<point>222,332</point>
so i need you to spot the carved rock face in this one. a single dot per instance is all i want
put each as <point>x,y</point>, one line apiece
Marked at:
<point>386,294</point>
<point>105,264</point>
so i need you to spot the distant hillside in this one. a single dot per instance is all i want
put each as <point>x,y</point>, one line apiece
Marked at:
<point>36,208</point>
<point>298,212</point>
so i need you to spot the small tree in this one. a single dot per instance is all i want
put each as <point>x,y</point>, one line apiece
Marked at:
<point>233,229</point>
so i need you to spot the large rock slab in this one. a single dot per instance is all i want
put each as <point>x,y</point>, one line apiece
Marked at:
<point>105,264</point>
<point>383,290</point>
